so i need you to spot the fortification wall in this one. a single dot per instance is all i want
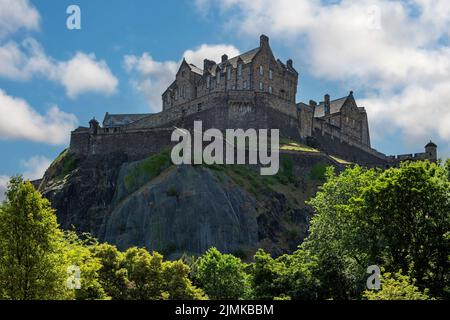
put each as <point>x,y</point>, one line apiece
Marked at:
<point>137,144</point>
<point>344,149</point>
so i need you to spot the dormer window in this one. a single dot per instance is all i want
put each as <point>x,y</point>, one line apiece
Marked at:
<point>228,73</point>
<point>261,70</point>
<point>239,70</point>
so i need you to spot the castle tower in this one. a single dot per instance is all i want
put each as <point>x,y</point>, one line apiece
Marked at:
<point>431,151</point>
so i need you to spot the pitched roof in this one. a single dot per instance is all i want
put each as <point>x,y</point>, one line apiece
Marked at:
<point>246,57</point>
<point>335,107</point>
<point>195,69</point>
<point>118,120</point>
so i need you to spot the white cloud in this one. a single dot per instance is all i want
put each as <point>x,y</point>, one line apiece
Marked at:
<point>80,74</point>
<point>391,50</point>
<point>83,74</point>
<point>152,77</point>
<point>17,14</point>
<point>35,167</point>
<point>211,52</point>
<point>18,120</point>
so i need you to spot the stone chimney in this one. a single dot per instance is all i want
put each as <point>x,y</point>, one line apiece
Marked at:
<point>263,41</point>
<point>207,64</point>
<point>93,126</point>
<point>224,58</point>
<point>326,103</point>
<point>289,64</point>
<point>312,103</point>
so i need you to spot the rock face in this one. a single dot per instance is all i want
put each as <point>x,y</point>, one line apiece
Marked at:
<point>180,209</point>
<point>184,208</point>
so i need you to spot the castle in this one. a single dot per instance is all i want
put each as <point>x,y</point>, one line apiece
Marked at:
<point>252,90</point>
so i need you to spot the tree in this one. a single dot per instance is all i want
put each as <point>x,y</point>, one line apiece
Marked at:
<point>33,264</point>
<point>396,287</point>
<point>333,237</point>
<point>396,219</point>
<point>177,285</point>
<point>80,255</point>
<point>112,275</point>
<point>222,276</point>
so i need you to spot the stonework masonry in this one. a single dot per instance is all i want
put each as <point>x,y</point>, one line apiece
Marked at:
<point>252,90</point>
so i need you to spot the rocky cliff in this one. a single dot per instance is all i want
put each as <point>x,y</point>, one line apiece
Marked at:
<point>185,209</point>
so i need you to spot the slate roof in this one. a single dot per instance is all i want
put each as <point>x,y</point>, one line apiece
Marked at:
<point>335,107</point>
<point>118,120</point>
<point>195,69</point>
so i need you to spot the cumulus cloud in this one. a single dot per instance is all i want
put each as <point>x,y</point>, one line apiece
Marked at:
<point>35,167</point>
<point>17,14</point>
<point>152,77</point>
<point>393,51</point>
<point>211,52</point>
<point>83,73</point>
<point>18,120</point>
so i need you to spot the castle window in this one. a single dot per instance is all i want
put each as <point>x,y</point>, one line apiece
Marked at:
<point>270,89</point>
<point>233,87</point>
<point>199,107</point>
<point>228,73</point>
<point>176,94</point>
<point>208,81</point>
<point>218,76</point>
<point>261,86</point>
<point>239,70</point>
<point>245,85</point>
<point>261,70</point>
<point>270,74</point>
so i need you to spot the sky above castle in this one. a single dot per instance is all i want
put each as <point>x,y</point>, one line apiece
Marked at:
<point>395,56</point>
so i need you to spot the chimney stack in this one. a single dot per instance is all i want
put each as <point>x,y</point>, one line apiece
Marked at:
<point>207,64</point>
<point>326,104</point>
<point>263,41</point>
<point>289,64</point>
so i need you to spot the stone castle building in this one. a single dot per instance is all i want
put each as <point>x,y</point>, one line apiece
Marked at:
<point>252,90</point>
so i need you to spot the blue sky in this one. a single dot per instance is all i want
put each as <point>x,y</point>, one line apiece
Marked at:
<point>394,55</point>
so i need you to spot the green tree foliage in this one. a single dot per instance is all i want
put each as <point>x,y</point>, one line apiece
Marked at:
<point>222,276</point>
<point>396,219</point>
<point>80,254</point>
<point>136,274</point>
<point>112,275</point>
<point>33,263</point>
<point>396,287</point>
<point>292,276</point>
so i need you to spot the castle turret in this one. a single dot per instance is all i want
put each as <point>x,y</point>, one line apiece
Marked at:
<point>431,151</point>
